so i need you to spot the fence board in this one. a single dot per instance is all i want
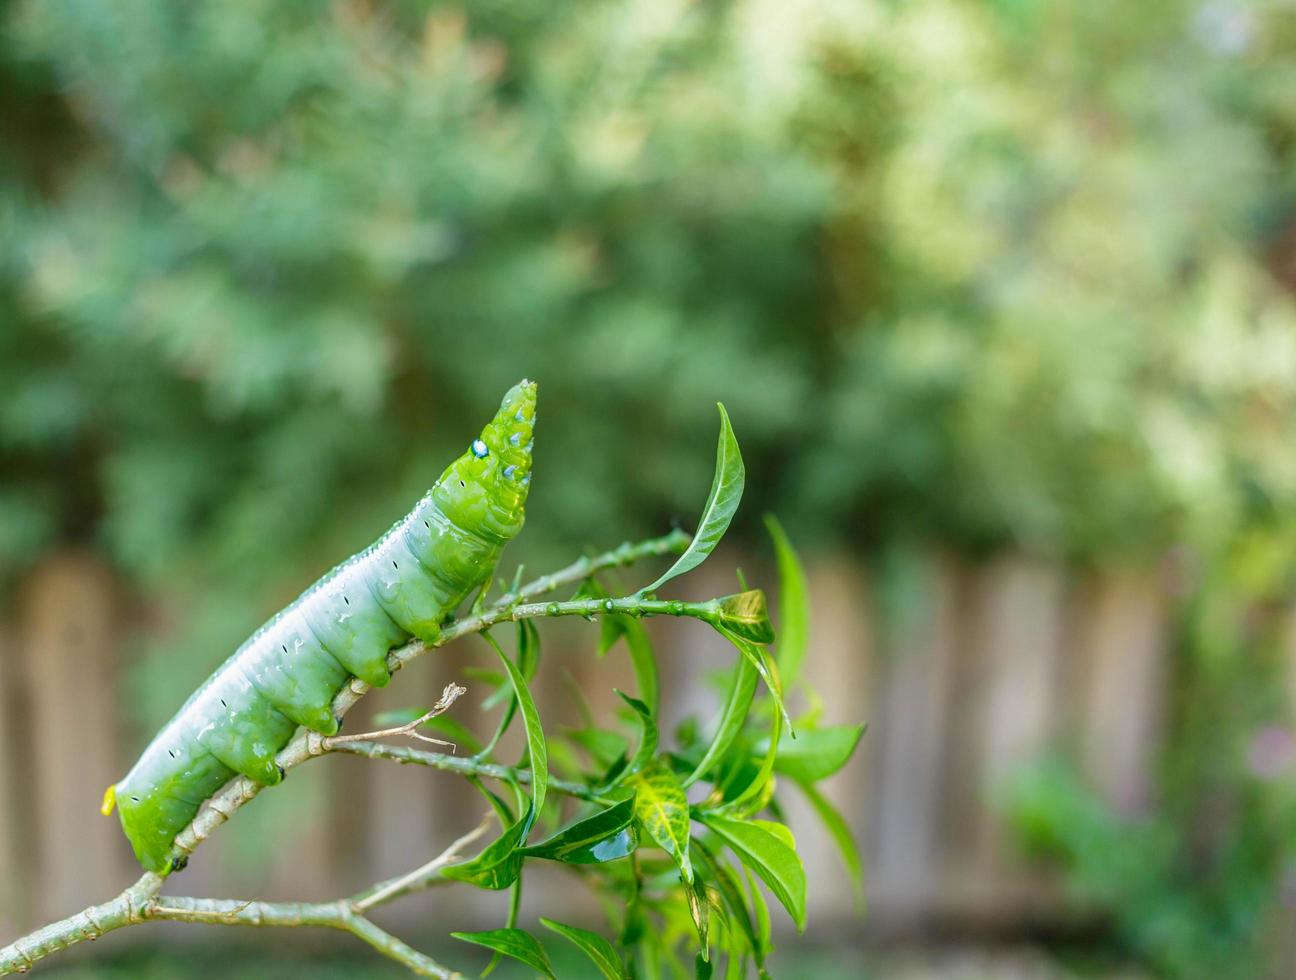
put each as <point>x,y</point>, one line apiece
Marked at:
<point>1122,645</point>
<point>916,664</point>
<point>839,665</point>
<point>10,880</point>
<point>70,632</point>
<point>1015,627</point>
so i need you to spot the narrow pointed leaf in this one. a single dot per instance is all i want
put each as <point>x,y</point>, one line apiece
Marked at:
<point>599,950</point>
<point>662,810</point>
<point>760,911</point>
<point>603,836</point>
<point>726,492</point>
<point>699,913</point>
<point>742,688</point>
<point>498,866</point>
<point>647,734</point>
<point>633,922</point>
<point>515,905</point>
<point>768,849</point>
<point>759,790</point>
<point>604,747</point>
<point>841,834</point>
<point>537,752</point>
<point>815,754</point>
<point>794,605</point>
<point>730,889</point>
<point>517,944</point>
<point>642,658</point>
<point>501,808</point>
<point>746,615</point>
<point>756,654</point>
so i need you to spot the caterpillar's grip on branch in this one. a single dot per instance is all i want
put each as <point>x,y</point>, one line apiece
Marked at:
<point>289,671</point>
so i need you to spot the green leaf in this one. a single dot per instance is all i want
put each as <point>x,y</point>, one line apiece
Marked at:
<point>817,753</point>
<point>515,905</point>
<point>598,949</point>
<point>528,647</point>
<point>794,605</point>
<point>699,913</point>
<point>604,747</point>
<point>501,808</point>
<point>730,889</point>
<point>633,920</point>
<point>841,834</point>
<point>760,911</point>
<point>702,968</point>
<point>756,654</point>
<point>642,657</point>
<point>759,790</point>
<point>745,615</point>
<point>590,588</point>
<point>647,737</point>
<point>517,944</point>
<point>537,752</point>
<point>768,849</point>
<point>662,810</point>
<point>722,502</point>
<point>498,866</point>
<point>528,644</point>
<point>742,688</point>
<point>603,836</point>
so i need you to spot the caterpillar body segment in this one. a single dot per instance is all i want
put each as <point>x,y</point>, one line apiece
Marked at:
<point>289,671</point>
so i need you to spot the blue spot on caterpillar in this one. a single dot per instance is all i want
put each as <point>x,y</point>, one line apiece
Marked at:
<point>289,671</point>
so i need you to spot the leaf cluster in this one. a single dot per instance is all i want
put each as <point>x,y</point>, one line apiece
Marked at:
<point>683,838</point>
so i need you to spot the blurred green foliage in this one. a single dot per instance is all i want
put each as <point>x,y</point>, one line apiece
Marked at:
<point>980,273</point>
<point>988,272</point>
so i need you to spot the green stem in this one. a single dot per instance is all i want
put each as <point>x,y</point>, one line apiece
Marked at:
<point>625,606</point>
<point>674,543</point>
<point>126,909</point>
<point>463,765</point>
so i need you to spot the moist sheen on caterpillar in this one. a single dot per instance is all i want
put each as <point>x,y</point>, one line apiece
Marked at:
<point>289,671</point>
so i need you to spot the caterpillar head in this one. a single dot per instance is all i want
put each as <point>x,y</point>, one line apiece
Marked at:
<point>485,489</point>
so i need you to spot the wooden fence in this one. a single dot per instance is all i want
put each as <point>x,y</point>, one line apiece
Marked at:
<point>994,665</point>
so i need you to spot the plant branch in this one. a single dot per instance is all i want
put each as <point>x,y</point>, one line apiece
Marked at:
<point>133,905</point>
<point>125,910</point>
<point>627,554</point>
<point>464,766</point>
<point>141,903</point>
<point>449,696</point>
<point>342,915</point>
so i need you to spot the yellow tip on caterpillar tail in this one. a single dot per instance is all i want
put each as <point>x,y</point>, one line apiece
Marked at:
<point>109,801</point>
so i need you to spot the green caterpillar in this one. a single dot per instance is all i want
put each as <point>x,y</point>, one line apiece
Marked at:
<point>288,672</point>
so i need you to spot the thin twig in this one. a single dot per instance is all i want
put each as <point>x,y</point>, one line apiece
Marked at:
<point>420,878</point>
<point>408,755</point>
<point>449,696</point>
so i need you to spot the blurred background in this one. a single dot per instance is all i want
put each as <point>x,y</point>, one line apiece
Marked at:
<point>998,293</point>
